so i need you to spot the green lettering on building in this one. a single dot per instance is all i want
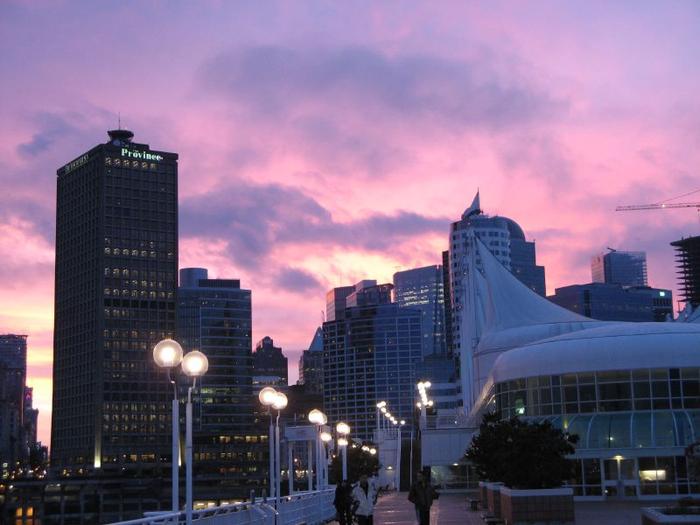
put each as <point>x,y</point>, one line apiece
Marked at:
<point>140,155</point>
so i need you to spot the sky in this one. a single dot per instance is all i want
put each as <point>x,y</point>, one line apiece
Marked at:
<point>325,142</point>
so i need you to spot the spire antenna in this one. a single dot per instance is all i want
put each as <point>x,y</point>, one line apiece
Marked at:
<point>119,120</point>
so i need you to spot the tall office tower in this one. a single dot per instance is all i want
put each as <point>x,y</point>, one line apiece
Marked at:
<point>115,292</point>
<point>371,353</point>
<point>614,302</point>
<point>13,375</point>
<point>214,317</point>
<point>688,265</point>
<point>311,365</point>
<point>269,363</point>
<point>422,288</point>
<point>623,268</point>
<point>335,302</point>
<point>31,418</point>
<point>506,241</point>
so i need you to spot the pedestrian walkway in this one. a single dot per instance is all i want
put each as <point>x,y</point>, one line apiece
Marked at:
<point>451,509</point>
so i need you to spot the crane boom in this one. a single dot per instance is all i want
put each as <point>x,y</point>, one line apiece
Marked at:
<point>661,206</point>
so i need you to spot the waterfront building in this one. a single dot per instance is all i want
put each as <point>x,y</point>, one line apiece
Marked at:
<point>269,364</point>
<point>688,265</point>
<point>372,352</point>
<point>422,288</point>
<point>619,267</point>
<point>506,241</point>
<point>215,317</point>
<point>613,302</point>
<point>630,391</point>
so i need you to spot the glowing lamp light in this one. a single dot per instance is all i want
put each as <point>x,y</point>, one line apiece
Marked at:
<point>195,364</point>
<point>419,405</point>
<point>326,437</point>
<point>317,417</point>
<point>267,396</point>
<point>342,428</point>
<point>280,401</point>
<point>365,448</point>
<point>381,404</point>
<point>403,422</point>
<point>342,442</point>
<point>383,410</point>
<point>373,451</point>
<point>427,384</point>
<point>167,353</point>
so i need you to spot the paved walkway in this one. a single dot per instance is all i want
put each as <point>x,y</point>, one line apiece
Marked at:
<point>451,509</point>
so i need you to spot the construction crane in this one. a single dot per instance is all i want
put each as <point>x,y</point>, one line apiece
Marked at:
<point>665,204</point>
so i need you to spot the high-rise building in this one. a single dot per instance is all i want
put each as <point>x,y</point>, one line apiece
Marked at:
<point>614,302</point>
<point>371,353</point>
<point>688,265</point>
<point>115,297</point>
<point>269,363</point>
<point>422,288</point>
<point>503,237</point>
<point>214,317</point>
<point>618,267</point>
<point>311,365</point>
<point>335,302</point>
<point>13,374</point>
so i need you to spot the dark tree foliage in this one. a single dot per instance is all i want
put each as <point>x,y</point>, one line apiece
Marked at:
<point>522,455</point>
<point>359,462</point>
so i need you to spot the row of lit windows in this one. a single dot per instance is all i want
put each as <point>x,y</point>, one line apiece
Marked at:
<point>130,163</point>
<point>114,292</point>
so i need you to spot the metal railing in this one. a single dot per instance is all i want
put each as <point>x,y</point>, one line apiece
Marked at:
<point>309,508</point>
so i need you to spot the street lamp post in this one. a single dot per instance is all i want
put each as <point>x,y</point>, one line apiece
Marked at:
<point>398,424</point>
<point>318,418</point>
<point>325,439</point>
<point>168,354</point>
<point>343,430</point>
<point>273,399</point>
<point>195,364</point>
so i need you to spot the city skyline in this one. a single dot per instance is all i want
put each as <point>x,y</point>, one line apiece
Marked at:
<point>294,193</point>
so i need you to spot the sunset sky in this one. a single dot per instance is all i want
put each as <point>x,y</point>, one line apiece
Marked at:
<point>326,142</point>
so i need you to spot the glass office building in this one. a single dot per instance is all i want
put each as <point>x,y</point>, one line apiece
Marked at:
<point>371,354</point>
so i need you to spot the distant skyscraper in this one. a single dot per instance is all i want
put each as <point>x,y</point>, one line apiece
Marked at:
<point>335,302</point>
<point>422,288</point>
<point>688,264</point>
<point>617,267</point>
<point>269,362</point>
<point>13,374</point>
<point>506,241</point>
<point>613,302</point>
<point>372,351</point>
<point>116,281</point>
<point>214,317</point>
<point>311,365</point>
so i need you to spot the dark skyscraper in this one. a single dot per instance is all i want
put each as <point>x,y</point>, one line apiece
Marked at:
<point>13,374</point>
<point>311,365</point>
<point>688,265</point>
<point>115,296</point>
<point>269,362</point>
<point>214,317</point>
<point>617,267</point>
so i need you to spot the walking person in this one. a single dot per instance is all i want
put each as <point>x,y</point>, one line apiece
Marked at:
<point>343,502</point>
<point>364,497</point>
<point>422,495</point>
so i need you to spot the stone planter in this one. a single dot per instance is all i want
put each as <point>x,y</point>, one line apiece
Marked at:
<point>493,498</point>
<point>538,506</point>
<point>483,498</point>
<point>652,516</point>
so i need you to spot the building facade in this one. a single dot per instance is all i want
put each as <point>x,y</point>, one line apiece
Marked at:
<point>311,365</point>
<point>422,288</point>
<point>13,375</point>
<point>618,267</point>
<point>371,354</point>
<point>688,265</point>
<point>269,363</point>
<point>215,317</point>
<point>115,297</point>
<point>613,302</point>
